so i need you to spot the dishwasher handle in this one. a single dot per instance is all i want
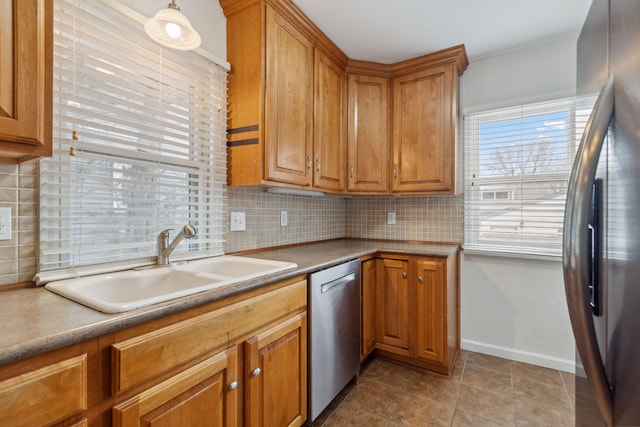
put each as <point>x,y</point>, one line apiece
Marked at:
<point>326,287</point>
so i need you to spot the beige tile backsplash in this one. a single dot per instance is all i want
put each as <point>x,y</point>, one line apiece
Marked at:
<point>19,191</point>
<point>309,219</point>
<point>433,218</point>
<point>424,218</point>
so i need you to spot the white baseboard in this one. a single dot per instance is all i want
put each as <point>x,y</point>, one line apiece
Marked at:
<point>519,355</point>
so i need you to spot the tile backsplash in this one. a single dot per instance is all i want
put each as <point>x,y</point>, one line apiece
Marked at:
<point>309,219</point>
<point>19,191</point>
<point>424,218</point>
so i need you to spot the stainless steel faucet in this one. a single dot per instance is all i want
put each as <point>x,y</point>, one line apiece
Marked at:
<point>165,249</point>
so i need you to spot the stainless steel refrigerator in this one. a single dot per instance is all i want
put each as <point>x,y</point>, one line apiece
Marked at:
<point>601,254</point>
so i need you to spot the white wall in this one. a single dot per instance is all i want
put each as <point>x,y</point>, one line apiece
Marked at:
<point>205,15</point>
<point>515,308</point>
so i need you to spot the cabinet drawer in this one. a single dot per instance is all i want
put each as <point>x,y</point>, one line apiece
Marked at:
<point>141,358</point>
<point>46,395</point>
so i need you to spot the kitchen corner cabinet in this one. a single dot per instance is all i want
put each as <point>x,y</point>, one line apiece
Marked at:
<point>26,72</point>
<point>286,101</point>
<point>368,306</point>
<point>417,310</point>
<point>425,123</point>
<point>368,140</point>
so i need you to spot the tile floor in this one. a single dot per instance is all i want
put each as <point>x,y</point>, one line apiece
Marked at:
<point>484,391</point>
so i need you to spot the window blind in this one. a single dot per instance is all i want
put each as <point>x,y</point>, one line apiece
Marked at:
<point>139,143</point>
<point>517,166</point>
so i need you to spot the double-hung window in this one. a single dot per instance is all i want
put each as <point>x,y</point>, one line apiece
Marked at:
<point>139,143</point>
<point>517,164</point>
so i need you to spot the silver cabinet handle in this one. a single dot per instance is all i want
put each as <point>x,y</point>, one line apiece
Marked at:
<point>318,164</point>
<point>233,385</point>
<point>255,372</point>
<point>404,274</point>
<point>575,247</point>
<point>352,171</point>
<point>420,279</point>
<point>395,171</point>
<point>308,162</point>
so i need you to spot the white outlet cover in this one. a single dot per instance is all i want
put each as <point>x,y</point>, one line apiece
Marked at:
<point>284,219</point>
<point>5,223</point>
<point>391,218</point>
<point>238,221</point>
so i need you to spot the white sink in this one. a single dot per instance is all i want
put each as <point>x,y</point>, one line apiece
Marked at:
<point>128,290</point>
<point>236,266</point>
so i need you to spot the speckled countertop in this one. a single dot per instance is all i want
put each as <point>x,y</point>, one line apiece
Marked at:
<point>35,320</point>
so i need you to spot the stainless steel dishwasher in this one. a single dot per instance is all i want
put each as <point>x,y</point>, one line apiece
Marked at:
<point>334,350</point>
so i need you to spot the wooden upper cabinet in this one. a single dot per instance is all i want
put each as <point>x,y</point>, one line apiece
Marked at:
<point>26,72</point>
<point>288,103</point>
<point>424,131</point>
<point>329,135</point>
<point>425,123</point>
<point>286,99</point>
<point>368,141</point>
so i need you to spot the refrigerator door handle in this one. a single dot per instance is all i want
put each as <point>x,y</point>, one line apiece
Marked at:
<point>576,250</point>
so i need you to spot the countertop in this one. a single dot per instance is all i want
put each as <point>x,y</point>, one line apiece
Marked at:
<point>35,320</point>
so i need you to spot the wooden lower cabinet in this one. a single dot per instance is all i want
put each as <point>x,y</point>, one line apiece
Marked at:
<point>417,310</point>
<point>392,305</point>
<point>368,303</point>
<point>204,395</point>
<point>190,368</point>
<point>49,395</point>
<point>276,375</point>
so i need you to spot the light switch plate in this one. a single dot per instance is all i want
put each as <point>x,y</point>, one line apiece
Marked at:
<point>238,221</point>
<point>391,218</point>
<point>284,219</point>
<point>5,223</point>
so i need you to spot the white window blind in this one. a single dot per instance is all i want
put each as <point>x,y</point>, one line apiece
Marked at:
<point>517,165</point>
<point>139,143</point>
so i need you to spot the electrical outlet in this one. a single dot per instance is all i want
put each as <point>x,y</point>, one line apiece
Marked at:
<point>5,223</point>
<point>284,219</point>
<point>238,221</point>
<point>391,218</point>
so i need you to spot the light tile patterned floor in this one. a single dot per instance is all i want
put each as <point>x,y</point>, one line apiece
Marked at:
<point>484,391</point>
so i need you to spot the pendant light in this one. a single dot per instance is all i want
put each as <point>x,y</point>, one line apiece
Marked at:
<point>171,28</point>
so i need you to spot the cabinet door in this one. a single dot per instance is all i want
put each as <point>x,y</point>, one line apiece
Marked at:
<point>203,395</point>
<point>26,35</point>
<point>368,300</point>
<point>424,131</point>
<point>288,102</point>
<point>46,395</point>
<point>329,133</point>
<point>392,306</point>
<point>430,308</point>
<point>276,375</point>
<point>368,135</point>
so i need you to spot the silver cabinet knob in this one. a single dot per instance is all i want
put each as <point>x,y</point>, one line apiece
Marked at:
<point>233,385</point>
<point>420,279</point>
<point>256,372</point>
<point>404,274</point>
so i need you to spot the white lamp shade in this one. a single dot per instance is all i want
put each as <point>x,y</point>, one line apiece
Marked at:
<point>171,28</point>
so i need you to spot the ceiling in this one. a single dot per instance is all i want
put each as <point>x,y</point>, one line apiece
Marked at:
<point>388,31</point>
